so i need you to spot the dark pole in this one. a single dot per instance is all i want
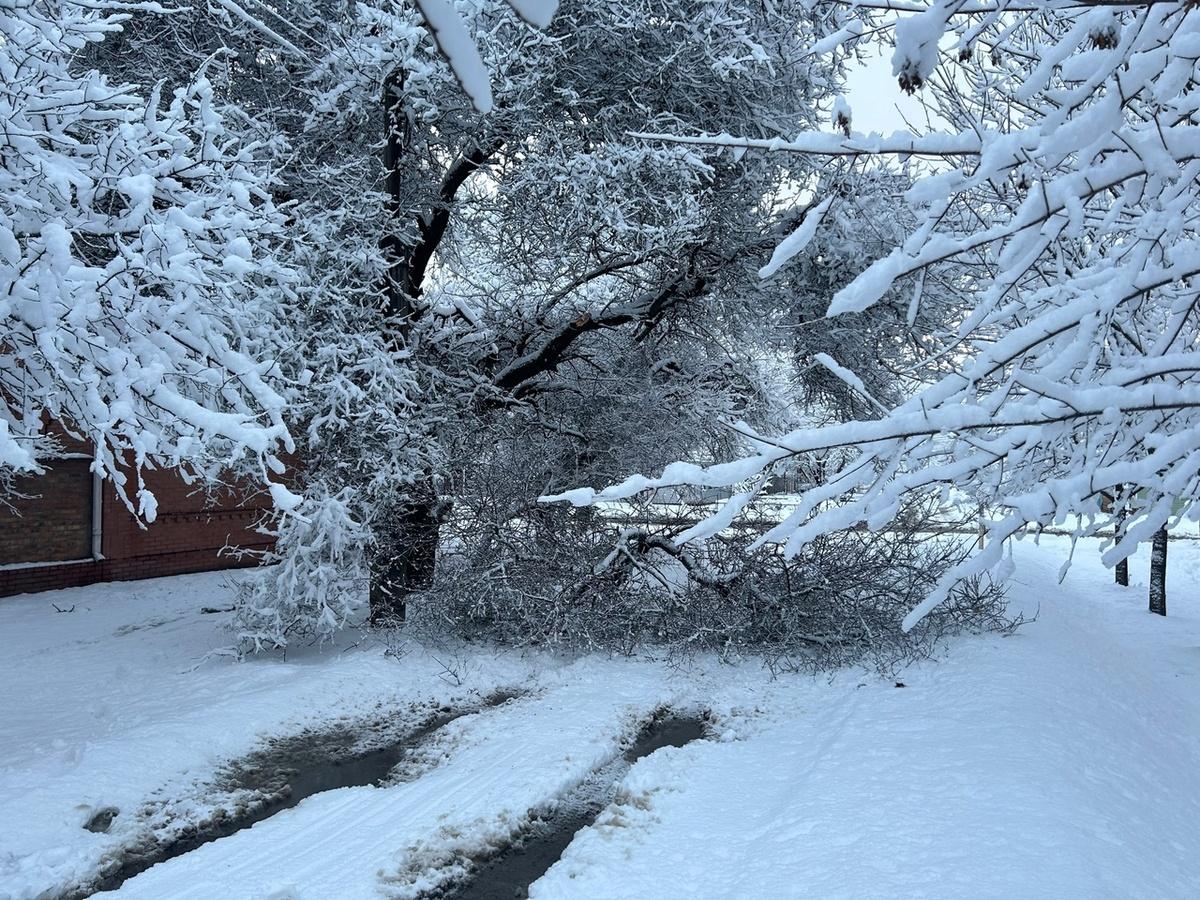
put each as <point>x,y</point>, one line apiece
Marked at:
<point>1122,570</point>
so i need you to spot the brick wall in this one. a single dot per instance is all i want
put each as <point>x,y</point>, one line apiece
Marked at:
<point>54,520</point>
<point>188,534</point>
<point>187,520</point>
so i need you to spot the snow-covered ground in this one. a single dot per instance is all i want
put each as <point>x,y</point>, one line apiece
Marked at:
<point>1060,762</point>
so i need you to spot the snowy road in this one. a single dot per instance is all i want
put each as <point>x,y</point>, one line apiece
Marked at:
<point>1061,762</point>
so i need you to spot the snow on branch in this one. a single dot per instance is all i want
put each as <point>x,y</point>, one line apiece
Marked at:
<point>126,261</point>
<point>456,44</point>
<point>1070,202</point>
<point>450,33</point>
<point>796,241</point>
<point>261,27</point>
<point>825,144</point>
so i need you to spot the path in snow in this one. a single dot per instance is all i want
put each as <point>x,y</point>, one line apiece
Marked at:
<point>511,872</point>
<point>285,773</point>
<point>105,707</point>
<point>502,766</point>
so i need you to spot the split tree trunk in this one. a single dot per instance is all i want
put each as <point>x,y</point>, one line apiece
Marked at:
<point>408,542</point>
<point>1158,573</point>
<point>408,536</point>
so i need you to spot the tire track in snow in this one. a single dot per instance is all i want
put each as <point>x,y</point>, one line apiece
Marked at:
<point>514,869</point>
<point>501,766</point>
<point>282,775</point>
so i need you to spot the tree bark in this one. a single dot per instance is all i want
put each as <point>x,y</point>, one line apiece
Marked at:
<point>1121,573</point>
<point>1158,573</point>
<point>408,536</point>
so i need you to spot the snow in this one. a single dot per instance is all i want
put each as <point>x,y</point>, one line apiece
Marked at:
<point>262,27</point>
<point>841,115</point>
<point>1060,762</point>
<point>456,44</point>
<point>917,39</point>
<point>282,498</point>
<point>12,454</point>
<point>845,375</point>
<point>1057,762</point>
<point>849,32</point>
<point>796,241</point>
<point>537,13</point>
<point>502,764</point>
<point>114,704</point>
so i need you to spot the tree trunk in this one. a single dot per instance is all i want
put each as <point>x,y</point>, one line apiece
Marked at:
<point>1158,573</point>
<point>1121,573</point>
<point>407,558</point>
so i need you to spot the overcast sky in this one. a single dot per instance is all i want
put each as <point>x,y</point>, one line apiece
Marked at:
<point>876,101</point>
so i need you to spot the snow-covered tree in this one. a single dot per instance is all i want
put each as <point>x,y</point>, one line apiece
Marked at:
<point>615,286</point>
<point>1064,183</point>
<point>524,257</point>
<point>136,235</point>
<point>307,81</point>
<point>490,306</point>
<point>504,304</point>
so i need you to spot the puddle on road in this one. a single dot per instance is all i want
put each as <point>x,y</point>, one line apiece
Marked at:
<point>509,874</point>
<point>286,771</point>
<point>668,731</point>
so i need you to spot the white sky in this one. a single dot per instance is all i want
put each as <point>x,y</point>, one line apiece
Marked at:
<point>876,101</point>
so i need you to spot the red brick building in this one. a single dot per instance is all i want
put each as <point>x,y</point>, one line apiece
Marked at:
<point>71,529</point>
